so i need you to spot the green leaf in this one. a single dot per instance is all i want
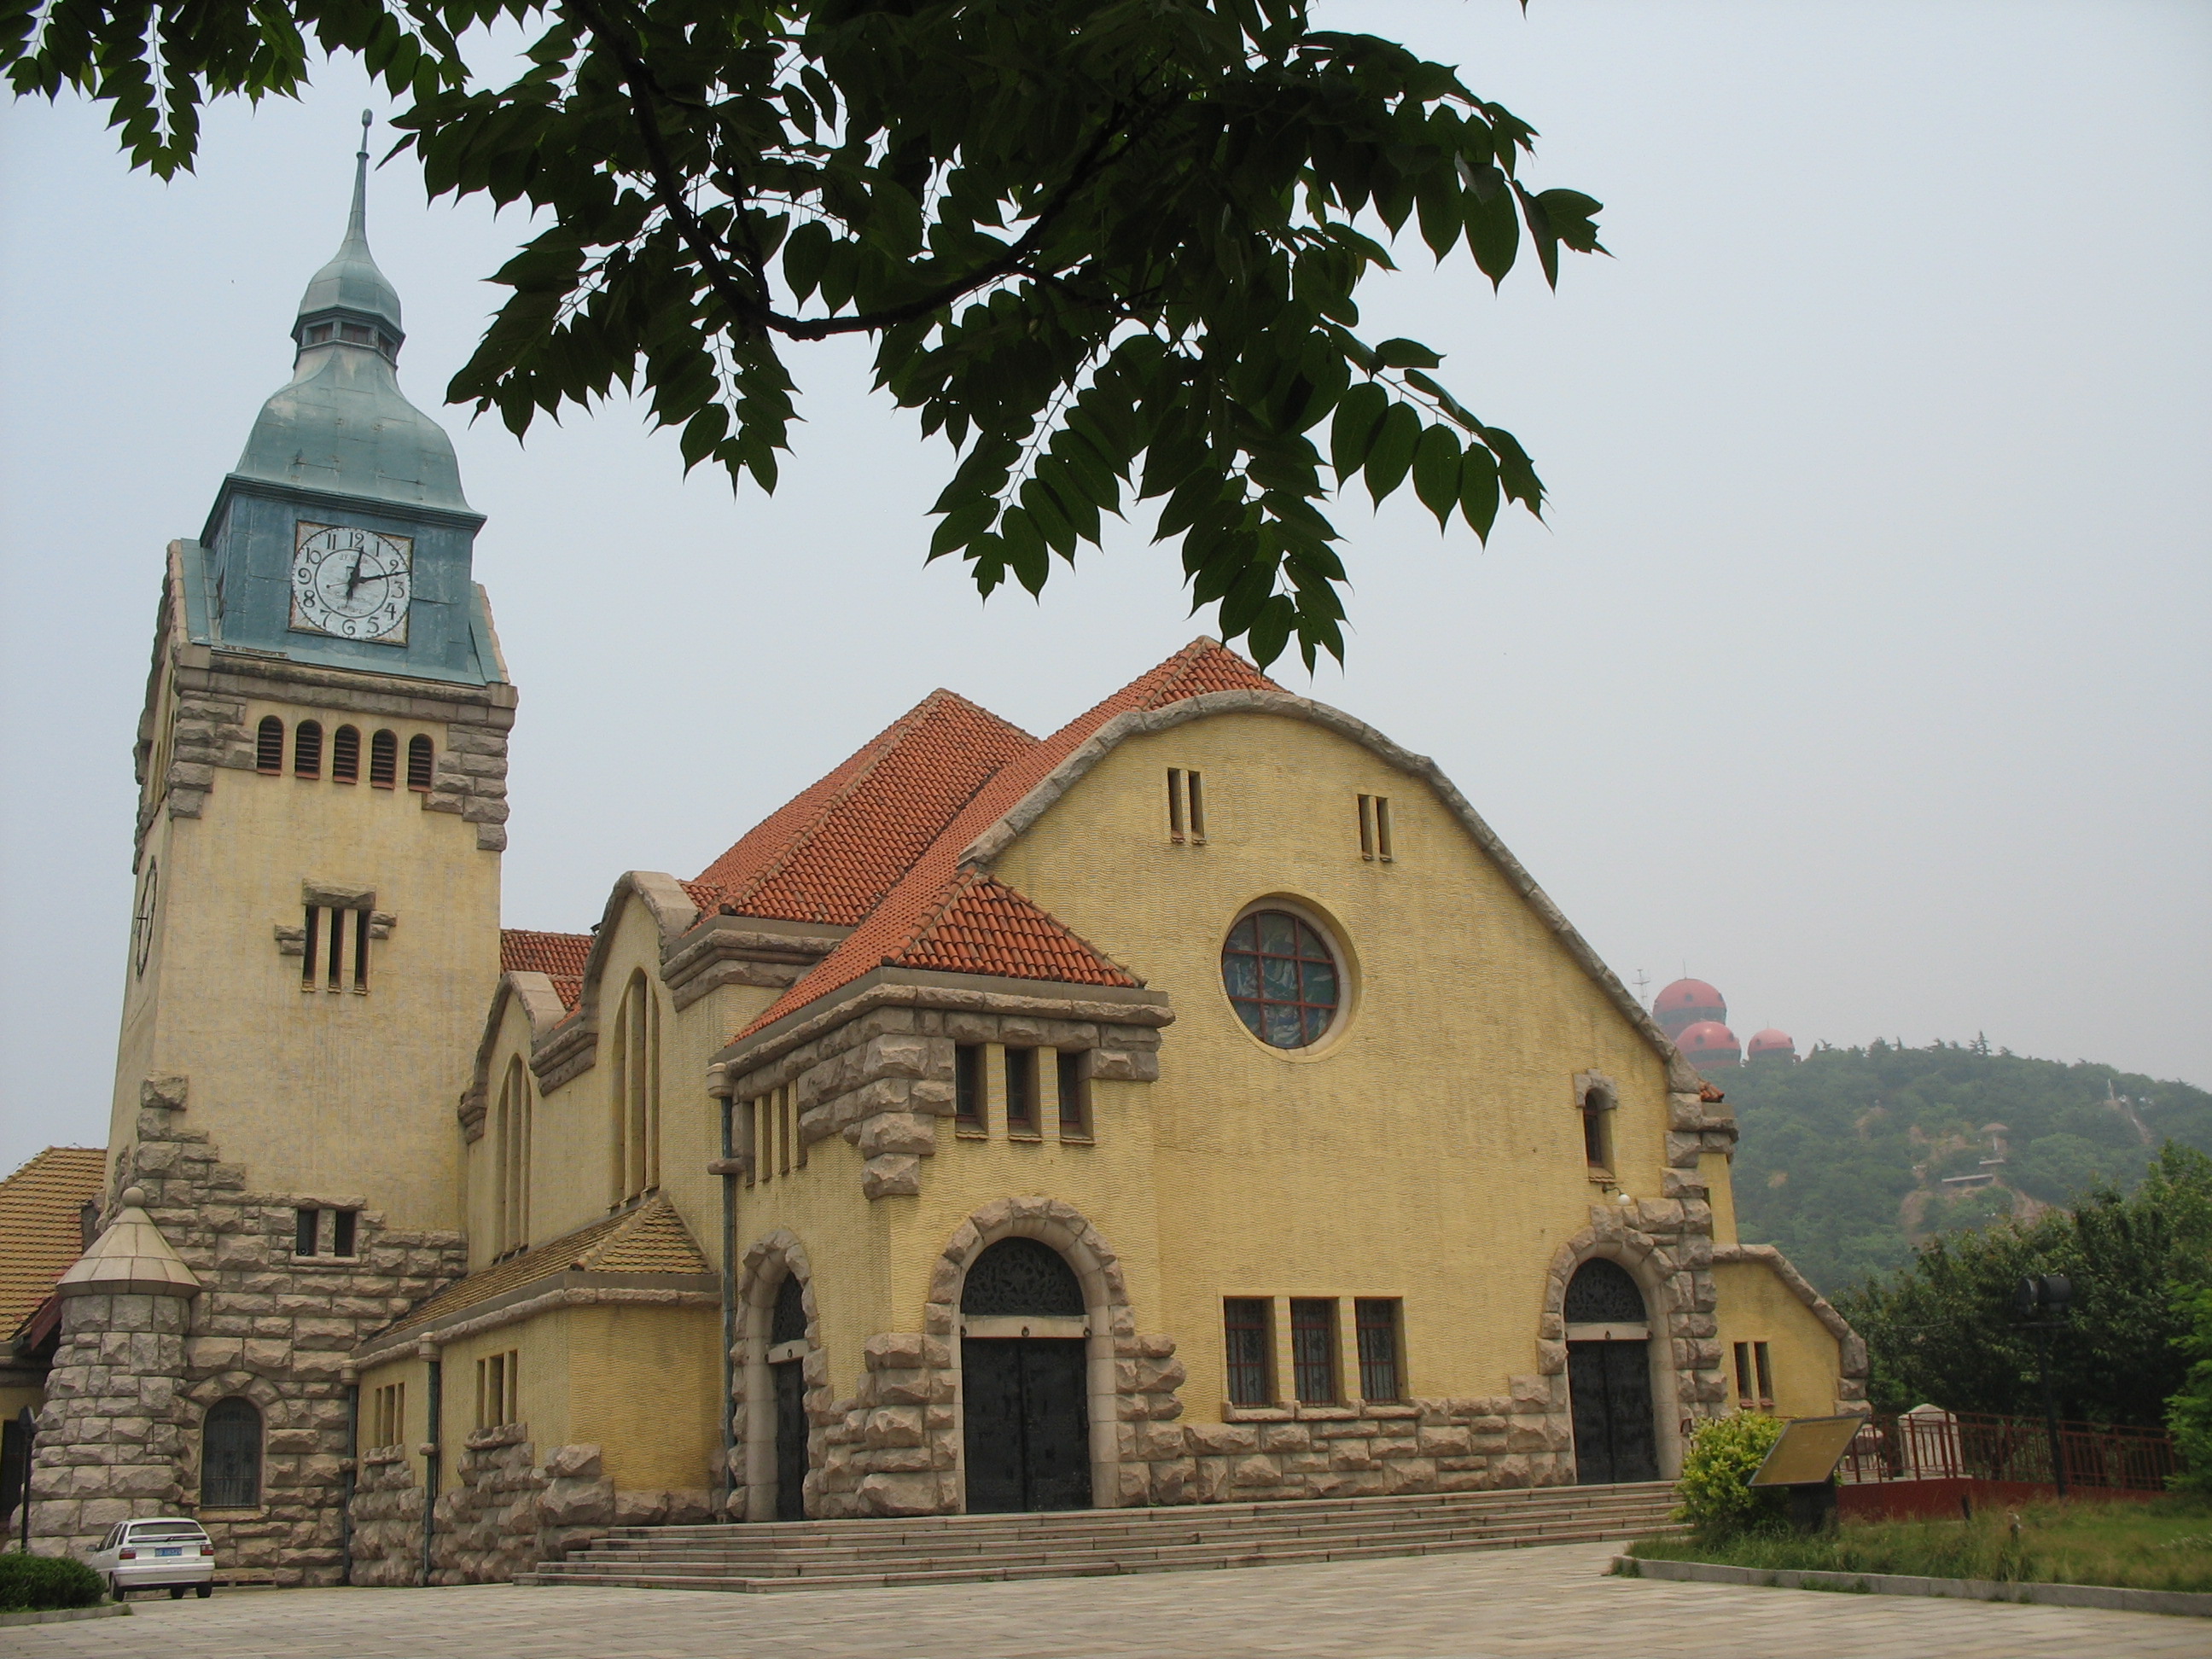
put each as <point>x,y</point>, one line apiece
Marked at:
<point>1394,452</point>
<point>1493,235</point>
<point>1406,354</point>
<point>1358,422</point>
<point>1478,491</point>
<point>805,252</point>
<point>1436,472</point>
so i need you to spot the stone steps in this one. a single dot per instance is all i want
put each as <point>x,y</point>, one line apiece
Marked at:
<point>797,1555</point>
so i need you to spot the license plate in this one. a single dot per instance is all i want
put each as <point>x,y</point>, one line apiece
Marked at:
<point>179,1551</point>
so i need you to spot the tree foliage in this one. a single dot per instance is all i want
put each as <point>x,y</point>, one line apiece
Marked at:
<point>1109,249</point>
<point>1844,1156</point>
<point>1944,1329</point>
<point>2189,1413</point>
<point>1718,1500</point>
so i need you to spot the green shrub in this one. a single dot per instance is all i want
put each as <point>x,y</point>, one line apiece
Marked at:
<point>1718,1499</point>
<point>40,1583</point>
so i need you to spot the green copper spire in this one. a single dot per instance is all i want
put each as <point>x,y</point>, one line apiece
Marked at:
<point>343,427</point>
<point>350,285</point>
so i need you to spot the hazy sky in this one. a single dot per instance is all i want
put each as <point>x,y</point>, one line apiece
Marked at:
<point>1862,668</point>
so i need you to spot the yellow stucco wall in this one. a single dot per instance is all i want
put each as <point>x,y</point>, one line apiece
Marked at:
<point>1803,1356</point>
<point>644,1383</point>
<point>334,1095</point>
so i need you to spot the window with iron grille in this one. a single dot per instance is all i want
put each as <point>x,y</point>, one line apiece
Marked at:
<point>268,746</point>
<point>1022,1276</point>
<point>788,1319</point>
<point>384,761</point>
<point>1602,1293</point>
<point>1376,1321</point>
<point>420,754</point>
<point>345,754</point>
<point>307,750</point>
<point>1251,1346</point>
<point>1313,1349</point>
<point>230,1456</point>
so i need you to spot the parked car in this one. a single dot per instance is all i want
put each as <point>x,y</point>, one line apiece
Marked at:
<point>170,1553</point>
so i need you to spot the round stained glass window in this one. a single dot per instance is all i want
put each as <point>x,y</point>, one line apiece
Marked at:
<point>1281,978</point>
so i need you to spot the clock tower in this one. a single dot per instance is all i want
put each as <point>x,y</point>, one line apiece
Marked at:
<point>322,764</point>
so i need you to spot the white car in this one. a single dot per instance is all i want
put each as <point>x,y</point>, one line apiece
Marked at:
<point>170,1553</point>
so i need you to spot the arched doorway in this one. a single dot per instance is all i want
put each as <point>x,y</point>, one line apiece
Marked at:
<point>786,1335</point>
<point>1609,1375</point>
<point>1026,1429</point>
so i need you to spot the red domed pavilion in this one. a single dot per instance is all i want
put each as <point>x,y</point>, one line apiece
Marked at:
<point>1770,1044</point>
<point>1687,1002</point>
<point>1709,1042</point>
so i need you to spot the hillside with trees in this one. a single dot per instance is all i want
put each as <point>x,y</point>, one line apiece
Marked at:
<point>1845,1155</point>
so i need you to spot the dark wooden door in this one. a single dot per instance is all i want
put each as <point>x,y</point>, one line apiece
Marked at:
<point>790,1439</point>
<point>1610,1386</point>
<point>1027,1424</point>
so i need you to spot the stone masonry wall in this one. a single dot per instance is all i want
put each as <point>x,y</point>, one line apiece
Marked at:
<point>272,1328</point>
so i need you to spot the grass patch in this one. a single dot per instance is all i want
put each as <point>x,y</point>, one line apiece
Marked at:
<point>2163,1545</point>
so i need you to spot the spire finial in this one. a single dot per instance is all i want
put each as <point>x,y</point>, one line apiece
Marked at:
<point>357,225</point>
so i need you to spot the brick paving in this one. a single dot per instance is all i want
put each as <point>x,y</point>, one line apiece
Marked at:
<point>1555,1600</point>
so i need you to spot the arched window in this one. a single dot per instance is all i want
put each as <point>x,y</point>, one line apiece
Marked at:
<point>511,1157</point>
<point>1602,1293</point>
<point>268,746</point>
<point>307,750</point>
<point>418,765</point>
<point>345,754</point>
<point>230,1456</point>
<point>1597,1127</point>
<point>383,761</point>
<point>1021,1276</point>
<point>635,1165</point>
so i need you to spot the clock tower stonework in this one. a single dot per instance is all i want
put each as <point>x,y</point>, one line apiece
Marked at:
<point>322,765</point>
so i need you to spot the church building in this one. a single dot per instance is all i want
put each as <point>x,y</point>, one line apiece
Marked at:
<point>1196,1104</point>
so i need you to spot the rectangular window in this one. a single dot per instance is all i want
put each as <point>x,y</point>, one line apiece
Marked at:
<point>968,1086</point>
<point>1367,827</point>
<point>1074,1081</point>
<point>1186,807</point>
<point>388,1415</point>
<point>308,946</point>
<point>497,1378</point>
<point>1377,1321</point>
<point>1743,1394</point>
<point>1374,828</point>
<point>343,1226</point>
<point>331,946</point>
<point>1383,848</point>
<point>749,1128</point>
<point>1248,1327</point>
<point>1175,821</point>
<point>1766,1375</point>
<point>1021,1091</point>
<point>1196,789</point>
<point>1313,1349</point>
<point>797,1139</point>
<point>306,1224</point>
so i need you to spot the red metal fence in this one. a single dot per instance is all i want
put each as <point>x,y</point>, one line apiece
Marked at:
<point>1964,1446</point>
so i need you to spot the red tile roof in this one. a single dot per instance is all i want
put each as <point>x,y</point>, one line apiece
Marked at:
<point>831,854</point>
<point>559,957</point>
<point>979,925</point>
<point>40,1233</point>
<point>895,927</point>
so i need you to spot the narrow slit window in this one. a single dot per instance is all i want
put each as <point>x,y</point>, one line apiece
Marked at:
<point>1196,789</point>
<point>798,1140</point>
<point>360,950</point>
<point>306,1223</point>
<point>749,1129</point>
<point>967,1086</point>
<point>1378,1325</point>
<point>1367,828</point>
<point>1382,849</point>
<point>1021,1091</point>
<point>307,944</point>
<point>1251,1349</point>
<point>345,754</point>
<point>1176,823</point>
<point>1743,1394</point>
<point>1597,1130</point>
<point>420,754</point>
<point>384,761</point>
<point>307,750</point>
<point>1074,1080</point>
<point>337,951</point>
<point>268,747</point>
<point>1313,1349</point>
<point>344,1225</point>
<point>1766,1375</point>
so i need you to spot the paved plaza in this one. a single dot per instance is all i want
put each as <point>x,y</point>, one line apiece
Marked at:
<point>1533,1602</point>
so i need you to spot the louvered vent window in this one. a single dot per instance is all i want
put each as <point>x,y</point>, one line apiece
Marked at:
<point>307,750</point>
<point>419,758</point>
<point>384,761</point>
<point>345,754</point>
<point>268,746</point>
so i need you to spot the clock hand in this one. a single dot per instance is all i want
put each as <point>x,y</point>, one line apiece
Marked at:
<point>353,579</point>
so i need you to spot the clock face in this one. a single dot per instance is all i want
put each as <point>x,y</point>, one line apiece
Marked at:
<point>352,584</point>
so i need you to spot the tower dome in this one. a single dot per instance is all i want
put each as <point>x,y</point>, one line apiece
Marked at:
<point>1709,1042</point>
<point>342,426</point>
<point>1770,1044</point>
<point>1685,1002</point>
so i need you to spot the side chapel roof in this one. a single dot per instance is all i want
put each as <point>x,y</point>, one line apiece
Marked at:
<point>559,957</point>
<point>41,1229</point>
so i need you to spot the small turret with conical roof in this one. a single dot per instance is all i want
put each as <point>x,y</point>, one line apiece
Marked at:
<point>339,460</point>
